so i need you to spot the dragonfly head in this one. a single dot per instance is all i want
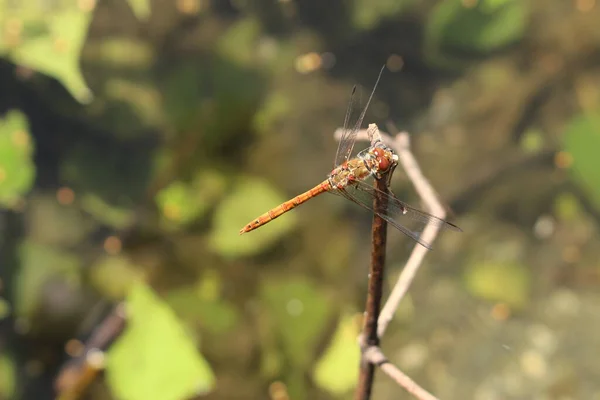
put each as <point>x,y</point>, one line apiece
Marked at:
<point>380,159</point>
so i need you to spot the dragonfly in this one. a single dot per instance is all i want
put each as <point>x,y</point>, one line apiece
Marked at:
<point>349,179</point>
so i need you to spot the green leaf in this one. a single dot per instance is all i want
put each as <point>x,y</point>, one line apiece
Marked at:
<point>299,312</point>
<point>17,170</point>
<point>582,140</point>
<point>155,359</point>
<point>50,42</point>
<point>337,370</point>
<point>500,282</point>
<point>250,198</point>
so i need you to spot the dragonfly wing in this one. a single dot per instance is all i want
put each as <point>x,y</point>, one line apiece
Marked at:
<point>353,195</point>
<point>349,135</point>
<point>399,209</point>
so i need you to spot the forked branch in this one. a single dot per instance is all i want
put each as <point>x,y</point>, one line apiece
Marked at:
<point>371,352</point>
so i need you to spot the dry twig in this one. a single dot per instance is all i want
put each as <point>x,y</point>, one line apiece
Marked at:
<point>375,290</point>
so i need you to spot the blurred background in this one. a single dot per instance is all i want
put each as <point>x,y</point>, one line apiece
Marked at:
<point>137,137</point>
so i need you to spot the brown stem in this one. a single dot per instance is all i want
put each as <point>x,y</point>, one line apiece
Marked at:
<point>375,290</point>
<point>77,374</point>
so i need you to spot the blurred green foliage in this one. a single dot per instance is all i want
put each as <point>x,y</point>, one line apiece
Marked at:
<point>203,304</point>
<point>581,141</point>
<point>53,224</point>
<point>568,208</point>
<point>298,311</point>
<point>109,214</point>
<point>155,358</point>
<point>17,171</point>
<point>47,39</point>
<point>214,99</point>
<point>201,112</point>
<point>38,265</point>
<point>181,203</point>
<point>366,14</point>
<point>7,377</point>
<point>506,282</point>
<point>275,108</point>
<point>114,276</point>
<point>4,308</point>
<point>248,199</point>
<point>118,177</point>
<point>336,370</point>
<point>238,44</point>
<point>483,26</point>
<point>141,8</point>
<point>532,141</point>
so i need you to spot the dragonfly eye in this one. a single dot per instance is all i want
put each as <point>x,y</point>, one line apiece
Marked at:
<point>384,163</point>
<point>378,152</point>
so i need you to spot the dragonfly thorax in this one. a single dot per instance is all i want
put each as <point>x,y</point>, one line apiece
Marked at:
<point>348,173</point>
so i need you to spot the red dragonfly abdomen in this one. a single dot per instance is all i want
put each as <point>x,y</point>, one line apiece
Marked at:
<point>286,206</point>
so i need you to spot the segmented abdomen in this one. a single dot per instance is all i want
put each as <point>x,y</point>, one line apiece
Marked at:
<point>287,206</point>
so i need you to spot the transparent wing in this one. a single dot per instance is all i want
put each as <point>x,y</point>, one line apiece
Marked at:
<point>413,235</point>
<point>363,194</point>
<point>398,208</point>
<point>349,135</point>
